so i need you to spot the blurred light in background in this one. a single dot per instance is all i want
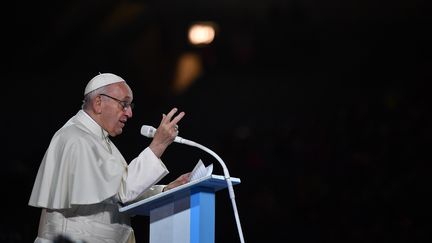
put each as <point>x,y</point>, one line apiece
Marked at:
<point>202,33</point>
<point>189,68</point>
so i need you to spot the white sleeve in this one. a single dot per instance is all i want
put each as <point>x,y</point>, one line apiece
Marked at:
<point>142,174</point>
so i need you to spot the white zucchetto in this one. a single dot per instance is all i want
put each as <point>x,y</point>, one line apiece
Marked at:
<point>101,80</point>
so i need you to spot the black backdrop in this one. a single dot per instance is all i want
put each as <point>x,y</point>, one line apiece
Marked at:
<point>321,108</point>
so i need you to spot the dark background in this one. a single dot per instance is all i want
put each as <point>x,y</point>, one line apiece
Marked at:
<point>321,108</point>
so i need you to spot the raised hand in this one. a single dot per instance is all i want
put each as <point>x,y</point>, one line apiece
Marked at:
<point>166,132</point>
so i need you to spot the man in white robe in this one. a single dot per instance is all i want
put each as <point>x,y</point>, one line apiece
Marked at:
<point>83,178</point>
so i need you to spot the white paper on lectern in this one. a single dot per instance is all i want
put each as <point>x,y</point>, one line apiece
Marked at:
<point>200,171</point>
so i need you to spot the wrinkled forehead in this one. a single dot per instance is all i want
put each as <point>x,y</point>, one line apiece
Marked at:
<point>120,90</point>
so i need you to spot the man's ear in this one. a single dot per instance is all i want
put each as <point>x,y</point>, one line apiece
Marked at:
<point>97,104</point>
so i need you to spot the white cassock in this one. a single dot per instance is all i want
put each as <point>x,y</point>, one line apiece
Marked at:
<point>81,181</point>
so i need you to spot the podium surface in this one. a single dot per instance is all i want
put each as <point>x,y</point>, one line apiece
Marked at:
<point>184,214</point>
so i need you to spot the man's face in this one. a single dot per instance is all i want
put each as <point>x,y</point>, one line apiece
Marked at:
<point>116,109</point>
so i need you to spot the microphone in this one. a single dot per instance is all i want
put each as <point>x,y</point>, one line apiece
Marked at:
<point>150,131</point>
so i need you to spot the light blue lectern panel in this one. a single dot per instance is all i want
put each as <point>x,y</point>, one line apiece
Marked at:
<point>202,217</point>
<point>186,220</point>
<point>171,222</point>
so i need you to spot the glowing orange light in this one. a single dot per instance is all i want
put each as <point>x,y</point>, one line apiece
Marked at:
<point>201,34</point>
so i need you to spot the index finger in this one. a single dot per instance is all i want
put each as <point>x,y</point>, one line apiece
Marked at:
<point>169,115</point>
<point>177,118</point>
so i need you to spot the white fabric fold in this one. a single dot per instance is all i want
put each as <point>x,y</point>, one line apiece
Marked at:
<point>143,172</point>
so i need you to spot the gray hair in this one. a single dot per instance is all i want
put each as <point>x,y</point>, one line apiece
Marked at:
<point>88,98</point>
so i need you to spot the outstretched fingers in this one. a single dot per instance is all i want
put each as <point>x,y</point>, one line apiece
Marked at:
<point>169,120</point>
<point>166,132</point>
<point>176,119</point>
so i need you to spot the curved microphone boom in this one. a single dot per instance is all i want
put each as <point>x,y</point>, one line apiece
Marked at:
<point>150,131</point>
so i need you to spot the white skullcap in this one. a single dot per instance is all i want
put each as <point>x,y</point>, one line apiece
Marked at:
<point>101,80</point>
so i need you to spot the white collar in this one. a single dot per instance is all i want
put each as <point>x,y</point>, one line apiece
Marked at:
<point>91,124</point>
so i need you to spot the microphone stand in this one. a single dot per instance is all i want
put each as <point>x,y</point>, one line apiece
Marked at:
<point>227,178</point>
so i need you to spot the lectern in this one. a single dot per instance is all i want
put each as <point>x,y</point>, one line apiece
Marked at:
<point>185,214</point>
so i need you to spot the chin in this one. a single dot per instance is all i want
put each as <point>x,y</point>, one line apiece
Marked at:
<point>116,132</point>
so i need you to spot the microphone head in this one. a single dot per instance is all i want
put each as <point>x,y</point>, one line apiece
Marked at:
<point>148,131</point>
